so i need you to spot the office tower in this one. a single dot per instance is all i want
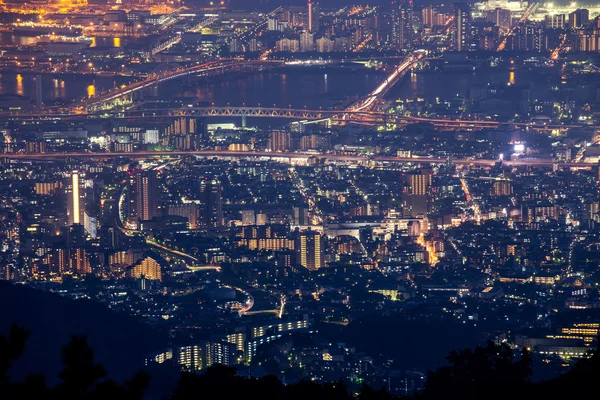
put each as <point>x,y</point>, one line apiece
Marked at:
<point>402,15</point>
<point>144,196</point>
<point>90,223</point>
<point>75,191</point>
<point>579,18</point>
<point>416,193</point>
<point>309,250</point>
<point>462,19</point>
<point>39,99</point>
<point>280,141</point>
<point>211,203</point>
<point>248,217</point>
<point>314,16</point>
<point>501,18</point>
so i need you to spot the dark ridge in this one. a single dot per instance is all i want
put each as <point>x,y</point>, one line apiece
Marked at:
<point>119,341</point>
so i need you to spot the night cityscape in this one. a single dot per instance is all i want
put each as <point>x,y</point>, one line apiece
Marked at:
<point>299,198</point>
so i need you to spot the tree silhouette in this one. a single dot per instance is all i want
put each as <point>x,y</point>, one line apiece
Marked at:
<point>490,372</point>
<point>486,372</point>
<point>81,378</point>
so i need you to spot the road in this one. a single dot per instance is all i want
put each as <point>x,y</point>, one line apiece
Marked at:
<point>275,155</point>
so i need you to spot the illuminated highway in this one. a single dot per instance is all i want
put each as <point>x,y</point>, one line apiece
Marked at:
<point>157,78</point>
<point>381,90</point>
<point>290,156</point>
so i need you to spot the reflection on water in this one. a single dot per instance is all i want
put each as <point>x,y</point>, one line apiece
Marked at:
<point>9,39</point>
<point>65,87</point>
<point>511,77</point>
<point>117,42</point>
<point>310,88</point>
<point>20,90</point>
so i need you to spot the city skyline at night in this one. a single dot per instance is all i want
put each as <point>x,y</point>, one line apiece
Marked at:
<point>338,195</point>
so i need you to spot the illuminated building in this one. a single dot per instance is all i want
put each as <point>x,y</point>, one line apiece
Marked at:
<point>556,21</point>
<point>144,196</point>
<point>248,217</point>
<point>189,211</point>
<point>194,357</point>
<point>307,41</point>
<point>314,16</point>
<point>588,40</point>
<point>148,267</point>
<point>309,249</point>
<point>301,216</point>
<point>402,28</point>
<point>275,244</point>
<point>528,37</point>
<point>428,16</point>
<point>280,141</point>
<point>46,188</point>
<point>579,18</point>
<point>211,203</point>
<point>35,147</point>
<point>502,188</point>
<point>462,18</point>
<point>79,262</point>
<point>501,18</point>
<point>416,193</point>
<point>75,191</point>
<point>223,353</point>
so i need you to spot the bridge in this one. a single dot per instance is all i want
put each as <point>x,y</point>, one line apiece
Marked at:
<point>357,115</point>
<point>374,98</point>
<point>170,72</point>
<point>290,156</point>
<point>364,117</point>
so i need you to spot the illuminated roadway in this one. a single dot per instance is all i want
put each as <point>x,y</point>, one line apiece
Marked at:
<point>275,155</point>
<point>155,79</point>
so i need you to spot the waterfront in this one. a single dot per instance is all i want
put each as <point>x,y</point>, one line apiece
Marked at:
<point>311,87</point>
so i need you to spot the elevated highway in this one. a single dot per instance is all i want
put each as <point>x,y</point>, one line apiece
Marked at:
<point>289,156</point>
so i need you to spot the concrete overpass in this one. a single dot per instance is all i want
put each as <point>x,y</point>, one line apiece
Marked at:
<point>288,157</point>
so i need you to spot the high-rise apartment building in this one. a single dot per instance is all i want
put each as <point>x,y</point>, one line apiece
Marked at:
<point>211,203</point>
<point>280,141</point>
<point>75,191</point>
<point>416,193</point>
<point>462,19</point>
<point>402,15</point>
<point>144,196</point>
<point>501,18</point>
<point>579,18</point>
<point>309,249</point>
<point>556,21</point>
<point>314,16</point>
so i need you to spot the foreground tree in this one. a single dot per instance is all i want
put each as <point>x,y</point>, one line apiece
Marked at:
<point>486,372</point>
<point>81,378</point>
